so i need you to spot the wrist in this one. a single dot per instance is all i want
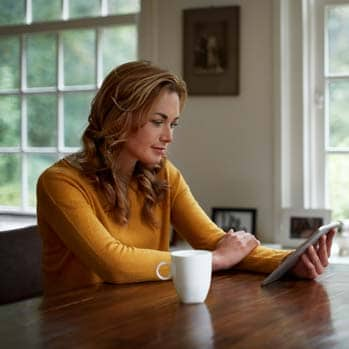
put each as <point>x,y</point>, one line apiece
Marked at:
<point>216,261</point>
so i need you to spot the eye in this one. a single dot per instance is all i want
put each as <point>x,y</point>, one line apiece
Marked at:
<point>174,124</point>
<point>157,123</point>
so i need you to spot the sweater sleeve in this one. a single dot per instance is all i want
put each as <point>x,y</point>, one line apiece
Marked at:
<point>263,259</point>
<point>70,214</point>
<point>197,228</point>
<point>188,218</point>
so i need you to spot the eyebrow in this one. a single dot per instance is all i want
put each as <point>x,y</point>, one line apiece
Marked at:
<point>164,116</point>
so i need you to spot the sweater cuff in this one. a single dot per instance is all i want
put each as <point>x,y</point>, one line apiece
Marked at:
<point>263,259</point>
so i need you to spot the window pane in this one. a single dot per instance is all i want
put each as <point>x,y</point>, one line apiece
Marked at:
<point>10,121</point>
<point>119,46</point>
<point>76,111</point>
<point>41,60</point>
<point>338,184</point>
<point>123,6</point>
<point>10,180</point>
<point>43,10</point>
<point>338,43</point>
<point>42,120</point>
<point>9,62</point>
<point>339,113</point>
<point>84,8</point>
<point>79,57</point>
<point>12,12</point>
<point>37,163</point>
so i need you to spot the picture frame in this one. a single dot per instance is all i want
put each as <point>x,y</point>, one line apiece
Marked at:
<point>298,224</point>
<point>235,218</point>
<point>211,52</point>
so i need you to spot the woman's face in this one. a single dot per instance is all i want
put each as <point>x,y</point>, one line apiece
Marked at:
<point>149,143</point>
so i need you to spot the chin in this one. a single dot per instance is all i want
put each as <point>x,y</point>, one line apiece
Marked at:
<point>151,163</point>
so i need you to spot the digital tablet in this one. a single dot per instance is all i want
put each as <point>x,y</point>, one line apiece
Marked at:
<point>292,259</point>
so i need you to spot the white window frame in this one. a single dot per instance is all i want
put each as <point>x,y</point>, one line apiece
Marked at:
<point>315,103</point>
<point>299,105</point>
<point>98,23</point>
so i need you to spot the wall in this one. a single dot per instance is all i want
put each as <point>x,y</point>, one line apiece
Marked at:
<point>224,146</point>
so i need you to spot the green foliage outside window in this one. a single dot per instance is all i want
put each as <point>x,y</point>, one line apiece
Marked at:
<point>46,10</point>
<point>12,11</point>
<point>9,62</point>
<point>84,8</point>
<point>10,180</point>
<point>76,110</point>
<point>41,60</point>
<point>79,58</point>
<point>36,116</point>
<point>10,121</point>
<point>42,120</point>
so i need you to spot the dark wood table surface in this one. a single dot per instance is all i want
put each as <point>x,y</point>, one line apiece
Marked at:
<point>238,313</point>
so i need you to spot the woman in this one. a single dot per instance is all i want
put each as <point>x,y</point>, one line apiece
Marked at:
<point>105,213</point>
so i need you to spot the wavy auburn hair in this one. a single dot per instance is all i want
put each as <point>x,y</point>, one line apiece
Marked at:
<point>119,109</point>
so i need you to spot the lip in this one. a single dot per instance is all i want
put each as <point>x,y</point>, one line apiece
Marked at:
<point>160,150</point>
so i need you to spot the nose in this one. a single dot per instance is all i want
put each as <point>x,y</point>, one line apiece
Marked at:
<point>167,134</point>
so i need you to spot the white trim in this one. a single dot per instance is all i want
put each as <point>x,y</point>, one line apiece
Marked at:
<point>96,53</point>
<point>24,180</point>
<point>284,103</point>
<point>289,163</point>
<point>104,8</point>
<point>299,106</point>
<point>277,113</point>
<point>28,12</point>
<point>99,57</point>
<point>307,92</point>
<point>79,23</point>
<point>288,107</point>
<point>10,150</point>
<point>65,9</point>
<point>60,121</point>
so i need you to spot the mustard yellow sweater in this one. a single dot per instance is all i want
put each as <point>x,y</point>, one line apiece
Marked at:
<point>83,244</point>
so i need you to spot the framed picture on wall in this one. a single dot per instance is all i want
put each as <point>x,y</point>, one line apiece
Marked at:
<point>235,218</point>
<point>211,50</point>
<point>299,224</point>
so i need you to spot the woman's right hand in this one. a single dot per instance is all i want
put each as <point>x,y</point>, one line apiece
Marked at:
<point>232,248</point>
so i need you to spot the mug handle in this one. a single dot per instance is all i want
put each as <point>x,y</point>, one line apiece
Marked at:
<point>158,271</point>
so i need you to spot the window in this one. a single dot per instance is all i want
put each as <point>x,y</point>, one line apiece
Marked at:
<point>53,56</point>
<point>336,107</point>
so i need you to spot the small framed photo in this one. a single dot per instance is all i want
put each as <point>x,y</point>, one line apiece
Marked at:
<point>297,225</point>
<point>211,51</point>
<point>235,218</point>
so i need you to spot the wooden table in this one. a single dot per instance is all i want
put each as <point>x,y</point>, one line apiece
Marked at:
<point>238,313</point>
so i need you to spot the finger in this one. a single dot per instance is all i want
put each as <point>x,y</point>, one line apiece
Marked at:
<point>322,251</point>
<point>315,260</point>
<point>252,239</point>
<point>329,240</point>
<point>247,235</point>
<point>230,234</point>
<point>310,270</point>
<point>241,232</point>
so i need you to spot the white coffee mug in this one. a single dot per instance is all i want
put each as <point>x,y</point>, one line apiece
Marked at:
<point>191,273</point>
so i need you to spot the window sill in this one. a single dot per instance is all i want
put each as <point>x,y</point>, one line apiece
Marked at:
<point>14,221</point>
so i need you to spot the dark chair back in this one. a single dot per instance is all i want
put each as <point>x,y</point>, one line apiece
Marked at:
<point>20,264</point>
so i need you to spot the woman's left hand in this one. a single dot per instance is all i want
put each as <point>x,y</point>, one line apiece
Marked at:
<point>314,260</point>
